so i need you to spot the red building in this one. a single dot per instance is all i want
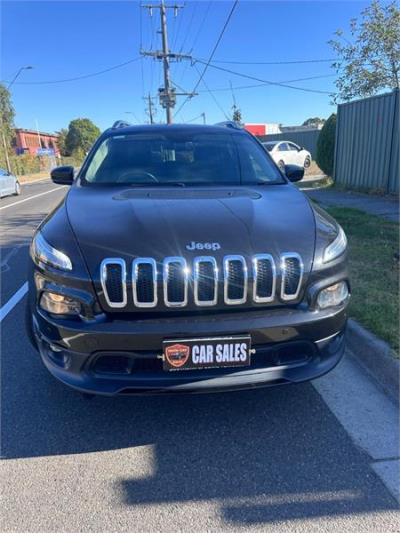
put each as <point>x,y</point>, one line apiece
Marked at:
<point>262,129</point>
<point>30,141</point>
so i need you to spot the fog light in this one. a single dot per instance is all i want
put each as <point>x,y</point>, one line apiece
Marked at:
<point>333,295</point>
<point>58,304</point>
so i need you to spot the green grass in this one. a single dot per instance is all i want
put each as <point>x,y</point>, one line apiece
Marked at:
<point>374,271</point>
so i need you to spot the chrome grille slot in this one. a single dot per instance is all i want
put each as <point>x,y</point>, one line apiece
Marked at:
<point>264,277</point>
<point>205,279</point>
<point>175,278</point>
<point>113,281</point>
<point>144,282</point>
<point>235,279</point>
<point>292,269</point>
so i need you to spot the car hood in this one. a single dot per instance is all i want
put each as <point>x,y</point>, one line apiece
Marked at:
<point>128,222</point>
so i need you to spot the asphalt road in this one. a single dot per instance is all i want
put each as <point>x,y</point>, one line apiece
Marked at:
<point>291,458</point>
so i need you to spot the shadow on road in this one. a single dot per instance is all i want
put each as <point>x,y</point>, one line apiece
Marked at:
<point>265,455</point>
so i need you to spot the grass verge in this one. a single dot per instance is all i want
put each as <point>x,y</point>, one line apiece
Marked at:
<point>374,271</point>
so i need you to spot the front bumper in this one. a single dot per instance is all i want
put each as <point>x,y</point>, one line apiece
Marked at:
<point>291,345</point>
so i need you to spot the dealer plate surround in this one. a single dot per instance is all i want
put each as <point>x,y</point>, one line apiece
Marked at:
<point>206,352</point>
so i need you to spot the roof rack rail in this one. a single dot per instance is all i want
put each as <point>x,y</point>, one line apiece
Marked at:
<point>121,124</point>
<point>230,124</point>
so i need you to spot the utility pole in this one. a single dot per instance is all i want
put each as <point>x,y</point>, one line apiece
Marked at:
<point>149,109</point>
<point>2,126</point>
<point>167,94</point>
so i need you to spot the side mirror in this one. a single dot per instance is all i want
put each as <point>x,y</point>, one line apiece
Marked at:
<point>63,175</point>
<point>294,172</point>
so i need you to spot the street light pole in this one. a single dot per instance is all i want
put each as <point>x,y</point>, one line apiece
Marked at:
<point>28,67</point>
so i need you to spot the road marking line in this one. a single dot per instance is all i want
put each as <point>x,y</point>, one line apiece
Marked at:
<point>12,302</point>
<point>32,197</point>
<point>35,181</point>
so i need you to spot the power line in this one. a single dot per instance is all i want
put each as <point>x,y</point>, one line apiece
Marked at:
<point>196,37</point>
<point>253,86</point>
<point>201,25</point>
<point>293,62</point>
<point>213,96</point>
<point>189,27</point>
<point>267,82</point>
<point>76,78</point>
<point>207,64</point>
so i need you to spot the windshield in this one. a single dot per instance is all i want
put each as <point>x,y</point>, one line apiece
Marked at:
<point>269,146</point>
<point>154,159</point>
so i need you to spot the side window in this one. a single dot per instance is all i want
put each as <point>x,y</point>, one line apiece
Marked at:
<point>283,147</point>
<point>293,147</point>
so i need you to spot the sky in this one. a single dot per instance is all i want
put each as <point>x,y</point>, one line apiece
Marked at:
<point>63,40</point>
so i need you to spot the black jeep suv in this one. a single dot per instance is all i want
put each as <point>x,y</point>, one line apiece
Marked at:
<point>183,260</point>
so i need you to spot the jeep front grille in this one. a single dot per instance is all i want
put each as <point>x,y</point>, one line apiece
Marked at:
<point>292,275</point>
<point>235,280</point>
<point>205,281</point>
<point>113,281</point>
<point>264,276</point>
<point>200,281</point>
<point>144,282</point>
<point>175,278</point>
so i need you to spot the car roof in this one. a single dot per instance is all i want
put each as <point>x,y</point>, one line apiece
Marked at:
<point>162,128</point>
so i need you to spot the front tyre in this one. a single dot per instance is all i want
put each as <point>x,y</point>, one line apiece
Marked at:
<point>281,166</point>
<point>17,188</point>
<point>307,162</point>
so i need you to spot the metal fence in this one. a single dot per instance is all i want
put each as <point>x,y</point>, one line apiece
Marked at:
<point>367,151</point>
<point>306,139</point>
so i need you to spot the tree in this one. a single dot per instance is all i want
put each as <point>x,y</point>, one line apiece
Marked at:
<point>237,114</point>
<point>61,139</point>
<point>326,146</point>
<point>81,135</point>
<point>314,122</point>
<point>369,61</point>
<point>7,114</point>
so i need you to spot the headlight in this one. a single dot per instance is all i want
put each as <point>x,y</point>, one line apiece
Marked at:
<point>58,304</point>
<point>337,247</point>
<point>333,295</point>
<point>43,252</point>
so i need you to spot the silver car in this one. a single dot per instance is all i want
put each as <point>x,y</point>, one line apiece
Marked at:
<point>9,184</point>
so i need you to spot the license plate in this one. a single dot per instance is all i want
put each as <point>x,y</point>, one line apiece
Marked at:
<point>214,352</point>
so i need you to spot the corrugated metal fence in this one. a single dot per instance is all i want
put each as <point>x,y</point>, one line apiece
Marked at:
<point>367,153</point>
<point>306,139</point>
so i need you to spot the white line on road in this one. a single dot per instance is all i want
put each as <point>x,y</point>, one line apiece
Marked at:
<point>13,301</point>
<point>32,197</point>
<point>28,183</point>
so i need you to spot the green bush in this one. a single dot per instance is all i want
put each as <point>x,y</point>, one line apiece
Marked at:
<point>24,164</point>
<point>326,146</point>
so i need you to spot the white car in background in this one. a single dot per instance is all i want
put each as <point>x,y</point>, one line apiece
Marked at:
<point>9,184</point>
<point>287,153</point>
